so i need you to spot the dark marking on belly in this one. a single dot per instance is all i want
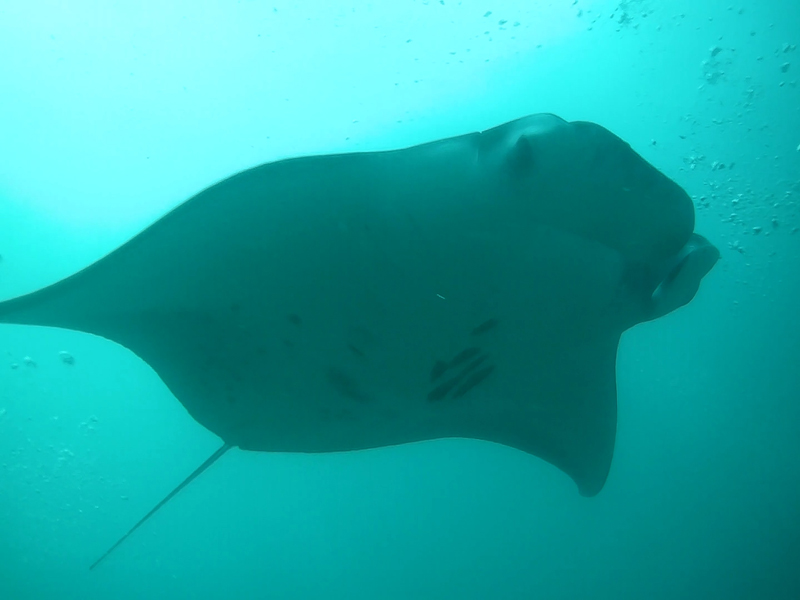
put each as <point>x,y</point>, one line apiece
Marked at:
<point>295,319</point>
<point>474,379</point>
<point>355,350</point>
<point>463,357</point>
<point>441,390</point>
<point>439,368</point>
<point>485,327</point>
<point>346,385</point>
<point>468,375</point>
<point>475,364</point>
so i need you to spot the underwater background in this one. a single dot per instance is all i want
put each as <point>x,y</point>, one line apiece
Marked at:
<point>113,113</point>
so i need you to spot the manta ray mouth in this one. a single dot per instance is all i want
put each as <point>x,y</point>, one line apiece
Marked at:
<point>683,273</point>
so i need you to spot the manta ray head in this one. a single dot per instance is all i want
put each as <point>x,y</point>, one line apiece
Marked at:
<point>579,177</point>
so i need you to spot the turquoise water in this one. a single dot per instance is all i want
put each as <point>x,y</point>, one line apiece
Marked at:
<point>111,114</point>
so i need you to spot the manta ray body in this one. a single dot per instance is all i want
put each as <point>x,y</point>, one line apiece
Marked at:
<point>472,287</point>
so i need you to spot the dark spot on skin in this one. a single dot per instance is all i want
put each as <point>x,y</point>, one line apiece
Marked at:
<point>441,390</point>
<point>474,364</point>
<point>473,380</point>
<point>439,367</point>
<point>464,356</point>
<point>464,381</point>
<point>231,399</point>
<point>345,385</point>
<point>295,319</point>
<point>261,350</point>
<point>355,350</point>
<point>287,343</point>
<point>235,309</point>
<point>485,327</point>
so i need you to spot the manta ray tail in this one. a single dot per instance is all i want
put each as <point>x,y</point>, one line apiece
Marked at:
<point>209,461</point>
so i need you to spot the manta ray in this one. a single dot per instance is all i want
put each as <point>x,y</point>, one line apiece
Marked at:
<point>470,287</point>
